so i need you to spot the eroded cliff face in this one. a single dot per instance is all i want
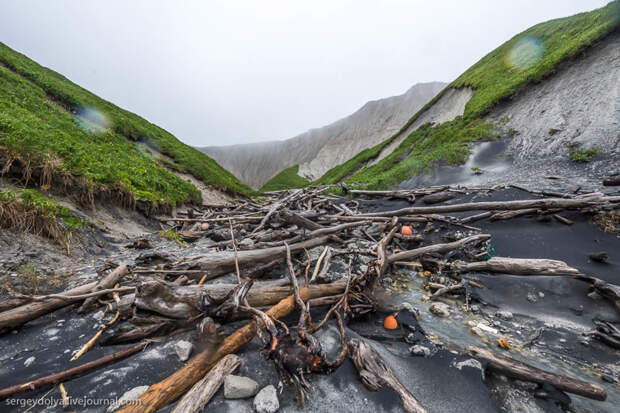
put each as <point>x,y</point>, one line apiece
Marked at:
<point>318,150</point>
<point>577,107</point>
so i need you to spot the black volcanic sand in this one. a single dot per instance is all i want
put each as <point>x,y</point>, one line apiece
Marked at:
<point>561,310</point>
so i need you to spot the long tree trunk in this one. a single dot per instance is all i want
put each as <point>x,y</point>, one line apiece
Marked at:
<point>517,266</point>
<point>501,205</point>
<point>519,370</point>
<point>18,316</point>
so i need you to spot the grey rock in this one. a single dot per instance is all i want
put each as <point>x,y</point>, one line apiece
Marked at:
<point>506,315</point>
<point>473,363</point>
<point>183,349</point>
<point>128,396</point>
<point>440,309</point>
<point>419,350</point>
<point>532,298</point>
<point>239,387</point>
<point>266,401</point>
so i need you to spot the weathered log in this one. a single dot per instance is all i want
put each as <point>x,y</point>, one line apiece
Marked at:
<point>218,263</point>
<point>71,373</point>
<point>562,219</point>
<point>181,302</point>
<point>502,205</point>
<point>519,370</point>
<point>166,391</point>
<point>612,181</point>
<point>18,316</point>
<point>517,266</point>
<point>296,219</point>
<point>223,262</point>
<point>274,208</point>
<point>438,197</point>
<point>375,374</point>
<point>476,217</point>
<point>200,394</point>
<point>109,281</point>
<point>607,290</point>
<point>504,215</point>
<point>402,194</point>
<point>10,303</point>
<point>411,254</point>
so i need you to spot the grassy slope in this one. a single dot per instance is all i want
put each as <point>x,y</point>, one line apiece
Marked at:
<point>38,124</point>
<point>288,178</point>
<point>493,81</point>
<point>29,210</point>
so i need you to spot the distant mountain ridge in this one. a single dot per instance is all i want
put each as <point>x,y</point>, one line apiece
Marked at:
<point>318,150</point>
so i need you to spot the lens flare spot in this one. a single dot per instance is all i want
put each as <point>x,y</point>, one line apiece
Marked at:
<point>92,120</point>
<point>526,53</point>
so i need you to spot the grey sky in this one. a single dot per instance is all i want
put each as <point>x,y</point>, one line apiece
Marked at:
<point>223,72</point>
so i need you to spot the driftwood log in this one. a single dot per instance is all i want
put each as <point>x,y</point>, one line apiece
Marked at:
<point>375,374</point>
<point>71,373</point>
<point>415,253</point>
<point>181,302</point>
<point>18,316</point>
<point>166,391</point>
<point>519,370</point>
<point>200,394</point>
<point>517,266</point>
<point>219,263</point>
<point>547,203</point>
<point>109,281</point>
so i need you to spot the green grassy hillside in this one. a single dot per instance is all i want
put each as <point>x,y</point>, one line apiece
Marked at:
<point>63,137</point>
<point>526,58</point>
<point>288,178</point>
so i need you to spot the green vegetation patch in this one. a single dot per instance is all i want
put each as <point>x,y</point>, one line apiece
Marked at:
<point>47,119</point>
<point>286,179</point>
<point>426,147</point>
<point>532,55</point>
<point>29,210</point>
<point>583,155</point>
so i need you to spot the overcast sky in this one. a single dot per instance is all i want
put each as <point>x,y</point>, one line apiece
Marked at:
<point>223,72</point>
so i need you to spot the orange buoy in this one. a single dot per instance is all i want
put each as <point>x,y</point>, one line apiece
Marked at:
<point>390,322</point>
<point>406,230</point>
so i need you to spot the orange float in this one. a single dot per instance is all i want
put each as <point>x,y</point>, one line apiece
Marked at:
<point>406,230</point>
<point>390,322</point>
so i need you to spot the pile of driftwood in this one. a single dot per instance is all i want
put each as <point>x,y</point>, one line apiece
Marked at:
<point>161,295</point>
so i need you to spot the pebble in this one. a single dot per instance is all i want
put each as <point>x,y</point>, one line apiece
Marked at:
<point>130,395</point>
<point>440,309</point>
<point>239,387</point>
<point>608,379</point>
<point>266,401</point>
<point>532,298</point>
<point>506,315</point>
<point>183,349</point>
<point>419,350</point>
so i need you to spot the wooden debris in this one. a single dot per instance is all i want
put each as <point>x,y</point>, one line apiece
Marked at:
<point>519,370</point>
<point>516,266</point>
<point>110,280</point>
<point>200,394</point>
<point>71,373</point>
<point>375,374</point>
